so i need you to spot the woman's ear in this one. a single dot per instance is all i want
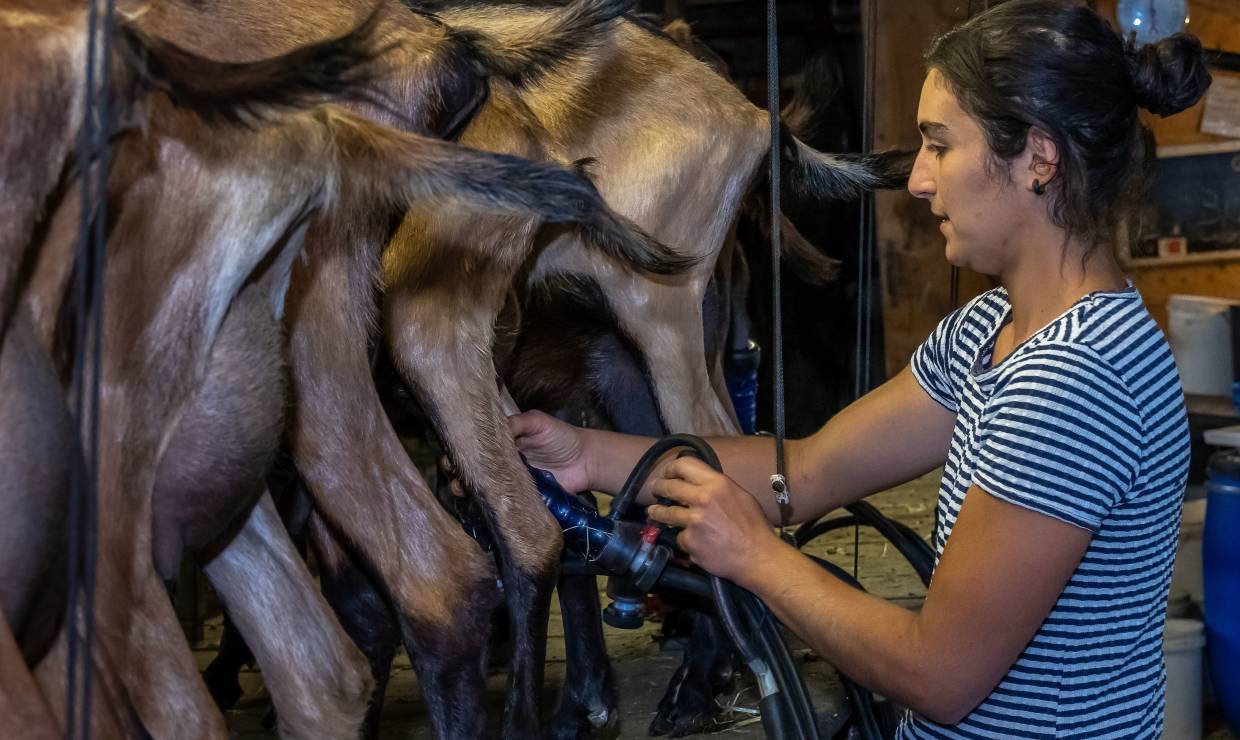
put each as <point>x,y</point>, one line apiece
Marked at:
<point>1043,157</point>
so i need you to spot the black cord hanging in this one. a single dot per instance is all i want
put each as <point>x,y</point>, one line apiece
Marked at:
<point>866,238</point>
<point>779,481</point>
<point>83,496</point>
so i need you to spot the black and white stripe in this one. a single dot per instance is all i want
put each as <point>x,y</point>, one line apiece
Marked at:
<point>1084,422</point>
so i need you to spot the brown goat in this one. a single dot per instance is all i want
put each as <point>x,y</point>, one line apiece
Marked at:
<point>221,305</point>
<point>439,582</point>
<point>673,146</point>
<point>207,227</point>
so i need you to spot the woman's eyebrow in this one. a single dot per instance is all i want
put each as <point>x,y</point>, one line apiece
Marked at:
<point>932,128</point>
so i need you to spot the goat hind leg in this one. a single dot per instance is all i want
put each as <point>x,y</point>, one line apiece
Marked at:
<point>588,698</point>
<point>363,612</point>
<point>23,710</point>
<point>364,485</point>
<point>319,692</point>
<point>465,405</point>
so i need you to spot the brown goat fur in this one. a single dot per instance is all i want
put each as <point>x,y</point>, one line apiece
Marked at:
<point>23,710</point>
<point>673,146</point>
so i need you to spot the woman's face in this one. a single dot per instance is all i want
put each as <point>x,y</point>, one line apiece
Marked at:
<point>981,214</point>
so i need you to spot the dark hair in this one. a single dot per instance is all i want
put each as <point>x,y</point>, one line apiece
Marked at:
<point>1061,68</point>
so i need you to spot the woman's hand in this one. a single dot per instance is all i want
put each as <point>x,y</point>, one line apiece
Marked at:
<point>554,446</point>
<point>724,529</point>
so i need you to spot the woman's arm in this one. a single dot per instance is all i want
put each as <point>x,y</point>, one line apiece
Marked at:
<point>1000,575</point>
<point>891,435</point>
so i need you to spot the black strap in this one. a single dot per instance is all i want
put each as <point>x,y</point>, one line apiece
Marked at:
<point>92,242</point>
<point>778,481</point>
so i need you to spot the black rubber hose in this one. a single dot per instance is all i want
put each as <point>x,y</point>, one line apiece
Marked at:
<point>726,596</point>
<point>767,633</point>
<point>909,544</point>
<point>861,698</point>
<point>628,492</point>
<point>889,528</point>
<point>774,717</point>
<point>679,579</point>
<point>810,531</point>
<point>863,709</point>
<point>915,551</point>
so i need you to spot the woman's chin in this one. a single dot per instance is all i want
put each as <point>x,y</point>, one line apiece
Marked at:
<point>954,257</point>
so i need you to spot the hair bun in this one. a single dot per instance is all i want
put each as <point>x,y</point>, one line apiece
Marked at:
<point>1170,75</point>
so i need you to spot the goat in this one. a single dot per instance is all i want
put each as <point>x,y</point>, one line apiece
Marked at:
<point>454,567</point>
<point>46,46</point>
<point>439,584</point>
<point>217,270</point>
<point>675,148</point>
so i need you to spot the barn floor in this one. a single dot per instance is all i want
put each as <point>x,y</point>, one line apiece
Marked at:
<point>642,666</point>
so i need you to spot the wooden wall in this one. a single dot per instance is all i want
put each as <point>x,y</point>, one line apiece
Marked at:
<point>915,275</point>
<point>1217,23</point>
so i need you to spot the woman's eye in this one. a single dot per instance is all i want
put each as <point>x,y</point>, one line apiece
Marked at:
<point>936,149</point>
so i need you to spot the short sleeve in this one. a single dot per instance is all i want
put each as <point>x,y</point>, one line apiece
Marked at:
<point>931,363</point>
<point>1060,436</point>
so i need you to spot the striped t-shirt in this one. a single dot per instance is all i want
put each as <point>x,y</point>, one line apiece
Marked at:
<point>1084,422</point>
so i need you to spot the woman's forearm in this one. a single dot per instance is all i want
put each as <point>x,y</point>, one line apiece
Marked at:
<point>874,642</point>
<point>749,461</point>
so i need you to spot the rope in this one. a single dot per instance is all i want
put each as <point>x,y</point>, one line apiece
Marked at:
<point>779,481</point>
<point>866,236</point>
<point>83,496</point>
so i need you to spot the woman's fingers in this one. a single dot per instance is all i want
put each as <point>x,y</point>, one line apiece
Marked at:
<point>691,470</point>
<point>672,516</point>
<point>526,423</point>
<point>675,489</point>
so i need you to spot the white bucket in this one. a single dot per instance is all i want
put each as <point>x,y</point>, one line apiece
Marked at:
<point>1186,578</point>
<point>1183,641</point>
<point>1201,343</point>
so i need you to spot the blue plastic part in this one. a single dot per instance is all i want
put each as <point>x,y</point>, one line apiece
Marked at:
<point>585,532</point>
<point>740,373</point>
<point>1220,550</point>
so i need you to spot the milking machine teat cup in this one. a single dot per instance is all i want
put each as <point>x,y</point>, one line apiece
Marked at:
<point>628,552</point>
<point>636,557</point>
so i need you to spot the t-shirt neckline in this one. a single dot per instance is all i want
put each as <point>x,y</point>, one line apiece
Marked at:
<point>986,348</point>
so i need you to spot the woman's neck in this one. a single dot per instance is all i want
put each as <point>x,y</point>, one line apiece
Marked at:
<point>1050,280</point>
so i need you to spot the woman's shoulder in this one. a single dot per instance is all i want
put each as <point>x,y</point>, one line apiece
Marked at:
<point>978,318</point>
<point>1111,334</point>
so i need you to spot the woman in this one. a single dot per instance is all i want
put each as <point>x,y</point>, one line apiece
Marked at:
<point>1052,402</point>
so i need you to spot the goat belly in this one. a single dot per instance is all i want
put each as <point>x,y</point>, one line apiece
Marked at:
<point>213,468</point>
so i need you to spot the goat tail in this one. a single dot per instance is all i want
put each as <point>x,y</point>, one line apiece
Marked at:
<point>823,176</point>
<point>251,92</point>
<point>800,257</point>
<point>399,167</point>
<point>525,56</point>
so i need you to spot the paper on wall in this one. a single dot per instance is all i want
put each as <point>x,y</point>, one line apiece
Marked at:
<point>1222,114</point>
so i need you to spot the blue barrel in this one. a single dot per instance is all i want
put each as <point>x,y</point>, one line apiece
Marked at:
<point>1220,553</point>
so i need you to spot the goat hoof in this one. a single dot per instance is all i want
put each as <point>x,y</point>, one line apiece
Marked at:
<point>580,722</point>
<point>269,718</point>
<point>602,717</point>
<point>223,686</point>
<point>687,707</point>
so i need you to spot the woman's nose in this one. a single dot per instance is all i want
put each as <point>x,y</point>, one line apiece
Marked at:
<point>921,179</point>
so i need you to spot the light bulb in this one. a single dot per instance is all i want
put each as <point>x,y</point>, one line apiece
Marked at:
<point>1151,20</point>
